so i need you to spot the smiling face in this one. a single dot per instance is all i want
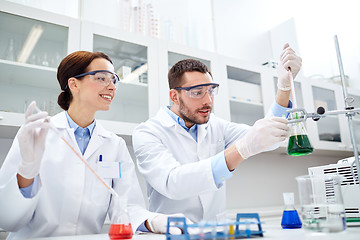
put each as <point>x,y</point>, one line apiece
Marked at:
<point>192,110</point>
<point>90,94</point>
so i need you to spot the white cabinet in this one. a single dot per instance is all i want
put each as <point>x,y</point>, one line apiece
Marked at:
<point>32,43</point>
<point>135,60</point>
<point>245,95</point>
<point>243,91</point>
<point>329,132</point>
<point>169,54</point>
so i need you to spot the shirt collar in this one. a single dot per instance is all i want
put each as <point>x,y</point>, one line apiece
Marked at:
<point>73,125</point>
<point>179,120</point>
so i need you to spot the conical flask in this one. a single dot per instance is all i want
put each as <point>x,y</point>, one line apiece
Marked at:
<point>299,143</point>
<point>120,227</point>
<point>290,218</point>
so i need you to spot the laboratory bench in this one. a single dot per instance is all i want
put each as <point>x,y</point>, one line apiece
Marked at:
<point>271,227</point>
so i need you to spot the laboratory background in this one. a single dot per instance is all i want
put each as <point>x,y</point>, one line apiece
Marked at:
<point>239,40</point>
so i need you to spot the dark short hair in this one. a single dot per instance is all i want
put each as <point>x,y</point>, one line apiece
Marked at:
<point>187,65</point>
<point>74,64</point>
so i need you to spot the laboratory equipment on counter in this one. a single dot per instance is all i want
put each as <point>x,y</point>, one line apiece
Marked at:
<point>52,127</point>
<point>290,218</point>
<point>321,212</point>
<point>245,227</point>
<point>349,111</point>
<point>349,187</point>
<point>299,143</point>
<point>120,227</point>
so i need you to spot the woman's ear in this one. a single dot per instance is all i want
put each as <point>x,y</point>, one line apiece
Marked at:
<point>174,96</point>
<point>73,84</point>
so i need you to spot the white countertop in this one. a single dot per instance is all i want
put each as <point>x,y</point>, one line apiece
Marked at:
<point>271,227</point>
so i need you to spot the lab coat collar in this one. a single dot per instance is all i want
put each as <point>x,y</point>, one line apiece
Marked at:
<point>97,139</point>
<point>167,121</point>
<point>60,122</point>
<point>99,133</point>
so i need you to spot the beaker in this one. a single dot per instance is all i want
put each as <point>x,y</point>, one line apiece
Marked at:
<point>299,143</point>
<point>120,227</point>
<point>322,205</point>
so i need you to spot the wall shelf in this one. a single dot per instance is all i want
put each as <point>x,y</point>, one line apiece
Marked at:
<point>28,74</point>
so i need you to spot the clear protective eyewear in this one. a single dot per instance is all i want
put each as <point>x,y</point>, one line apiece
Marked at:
<point>199,91</point>
<point>103,77</point>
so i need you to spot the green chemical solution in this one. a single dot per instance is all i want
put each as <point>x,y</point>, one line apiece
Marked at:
<point>299,145</point>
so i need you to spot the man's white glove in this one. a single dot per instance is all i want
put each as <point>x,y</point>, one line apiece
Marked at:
<point>262,135</point>
<point>158,223</point>
<point>31,139</point>
<point>288,61</point>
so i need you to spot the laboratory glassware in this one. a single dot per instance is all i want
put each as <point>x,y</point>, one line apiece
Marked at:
<point>349,112</point>
<point>120,227</point>
<point>10,54</point>
<point>299,143</point>
<point>322,205</point>
<point>290,218</point>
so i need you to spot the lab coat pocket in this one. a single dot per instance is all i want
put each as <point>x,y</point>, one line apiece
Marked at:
<point>109,169</point>
<point>217,147</point>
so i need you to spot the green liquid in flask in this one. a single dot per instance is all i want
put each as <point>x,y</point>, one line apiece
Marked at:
<point>299,145</point>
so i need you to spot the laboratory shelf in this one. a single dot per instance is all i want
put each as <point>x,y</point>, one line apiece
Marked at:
<point>140,98</point>
<point>10,123</point>
<point>244,101</point>
<point>174,57</point>
<point>243,75</point>
<point>28,74</point>
<point>242,111</point>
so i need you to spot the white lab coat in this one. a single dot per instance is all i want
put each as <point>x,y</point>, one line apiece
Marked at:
<point>177,169</point>
<point>70,200</point>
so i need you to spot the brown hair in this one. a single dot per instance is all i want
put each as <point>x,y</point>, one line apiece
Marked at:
<point>74,64</point>
<point>187,65</point>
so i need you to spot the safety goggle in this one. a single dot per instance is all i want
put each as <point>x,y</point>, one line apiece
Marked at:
<point>199,91</point>
<point>103,77</point>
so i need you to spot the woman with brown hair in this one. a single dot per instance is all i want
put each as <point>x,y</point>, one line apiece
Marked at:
<point>45,190</point>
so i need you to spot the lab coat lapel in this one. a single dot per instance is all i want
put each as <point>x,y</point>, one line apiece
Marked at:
<point>202,132</point>
<point>96,140</point>
<point>167,121</point>
<point>61,123</point>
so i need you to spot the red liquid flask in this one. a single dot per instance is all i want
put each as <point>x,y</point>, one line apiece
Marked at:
<point>120,227</point>
<point>120,231</point>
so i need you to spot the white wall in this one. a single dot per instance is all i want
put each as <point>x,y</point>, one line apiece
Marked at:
<point>242,25</point>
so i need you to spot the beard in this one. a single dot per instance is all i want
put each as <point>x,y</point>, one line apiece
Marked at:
<point>191,117</point>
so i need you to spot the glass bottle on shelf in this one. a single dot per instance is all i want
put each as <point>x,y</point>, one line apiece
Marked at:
<point>45,61</point>
<point>10,54</point>
<point>120,227</point>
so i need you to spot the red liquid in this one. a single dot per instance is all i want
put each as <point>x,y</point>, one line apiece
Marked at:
<point>120,231</point>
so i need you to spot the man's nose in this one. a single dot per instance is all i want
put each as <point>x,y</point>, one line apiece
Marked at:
<point>208,99</point>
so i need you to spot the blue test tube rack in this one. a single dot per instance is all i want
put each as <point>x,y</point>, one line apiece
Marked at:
<point>239,232</point>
